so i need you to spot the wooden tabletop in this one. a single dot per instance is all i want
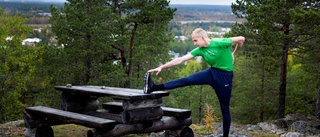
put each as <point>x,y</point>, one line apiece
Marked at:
<point>114,92</point>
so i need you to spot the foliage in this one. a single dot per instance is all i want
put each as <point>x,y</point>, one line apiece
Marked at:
<point>16,66</point>
<point>209,118</point>
<point>182,47</point>
<point>253,95</point>
<point>303,99</point>
<point>113,50</point>
<point>276,27</point>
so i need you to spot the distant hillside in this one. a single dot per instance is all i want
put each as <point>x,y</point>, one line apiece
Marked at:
<point>209,13</point>
<point>217,8</point>
<point>45,1</point>
<point>203,12</point>
<point>31,5</point>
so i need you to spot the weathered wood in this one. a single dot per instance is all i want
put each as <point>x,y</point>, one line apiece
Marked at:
<point>116,93</point>
<point>76,96</point>
<point>165,123</point>
<point>181,132</point>
<point>113,107</point>
<point>71,117</point>
<point>30,121</point>
<point>106,114</point>
<point>80,107</point>
<point>176,112</point>
<point>78,103</point>
<point>148,103</point>
<point>167,111</point>
<point>44,131</point>
<point>140,115</point>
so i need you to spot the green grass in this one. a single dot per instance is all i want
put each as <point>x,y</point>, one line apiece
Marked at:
<point>72,130</point>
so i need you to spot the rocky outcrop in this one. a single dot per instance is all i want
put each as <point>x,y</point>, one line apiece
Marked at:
<point>293,125</point>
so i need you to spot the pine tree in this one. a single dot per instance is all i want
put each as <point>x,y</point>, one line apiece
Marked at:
<point>121,37</point>
<point>16,65</point>
<point>277,25</point>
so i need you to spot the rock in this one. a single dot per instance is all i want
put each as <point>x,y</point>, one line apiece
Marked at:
<point>17,123</point>
<point>232,133</point>
<point>30,132</point>
<point>292,134</point>
<point>252,128</point>
<point>232,130</point>
<point>159,134</point>
<point>304,128</point>
<point>297,117</point>
<point>268,127</point>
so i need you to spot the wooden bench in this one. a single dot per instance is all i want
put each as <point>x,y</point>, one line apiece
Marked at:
<point>70,117</point>
<point>167,111</point>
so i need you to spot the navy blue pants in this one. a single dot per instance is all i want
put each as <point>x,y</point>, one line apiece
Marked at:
<point>219,80</point>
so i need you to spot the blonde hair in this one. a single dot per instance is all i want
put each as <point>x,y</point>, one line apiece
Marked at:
<point>200,32</point>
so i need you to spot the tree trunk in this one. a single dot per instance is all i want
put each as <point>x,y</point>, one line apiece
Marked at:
<point>283,83</point>
<point>88,61</point>
<point>87,71</point>
<point>261,113</point>
<point>200,104</point>
<point>283,72</point>
<point>318,105</point>
<point>129,67</point>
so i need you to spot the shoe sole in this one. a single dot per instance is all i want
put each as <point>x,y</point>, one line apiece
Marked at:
<point>145,87</point>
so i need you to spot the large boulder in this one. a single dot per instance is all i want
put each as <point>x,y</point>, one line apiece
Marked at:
<point>292,134</point>
<point>304,127</point>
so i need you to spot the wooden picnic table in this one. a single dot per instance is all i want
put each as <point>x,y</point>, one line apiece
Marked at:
<point>116,93</point>
<point>132,112</point>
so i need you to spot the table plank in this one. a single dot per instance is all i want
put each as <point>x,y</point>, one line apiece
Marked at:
<point>114,92</point>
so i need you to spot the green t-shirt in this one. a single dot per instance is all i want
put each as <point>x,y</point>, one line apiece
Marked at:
<point>217,54</point>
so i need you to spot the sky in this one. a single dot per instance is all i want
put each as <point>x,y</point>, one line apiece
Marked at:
<point>206,2</point>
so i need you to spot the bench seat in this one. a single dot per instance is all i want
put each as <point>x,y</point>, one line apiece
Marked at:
<point>167,111</point>
<point>70,117</point>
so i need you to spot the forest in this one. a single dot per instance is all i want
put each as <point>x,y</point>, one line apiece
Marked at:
<point>97,43</point>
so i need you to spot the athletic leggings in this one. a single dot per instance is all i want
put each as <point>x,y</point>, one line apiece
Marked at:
<point>219,80</point>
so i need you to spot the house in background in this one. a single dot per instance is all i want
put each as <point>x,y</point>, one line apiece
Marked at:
<point>31,41</point>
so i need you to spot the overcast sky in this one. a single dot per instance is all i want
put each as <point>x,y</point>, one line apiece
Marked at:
<point>210,2</point>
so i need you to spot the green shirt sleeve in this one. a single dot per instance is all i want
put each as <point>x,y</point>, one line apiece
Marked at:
<point>196,52</point>
<point>222,42</point>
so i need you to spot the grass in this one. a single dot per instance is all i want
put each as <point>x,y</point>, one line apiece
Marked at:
<point>261,134</point>
<point>72,130</point>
